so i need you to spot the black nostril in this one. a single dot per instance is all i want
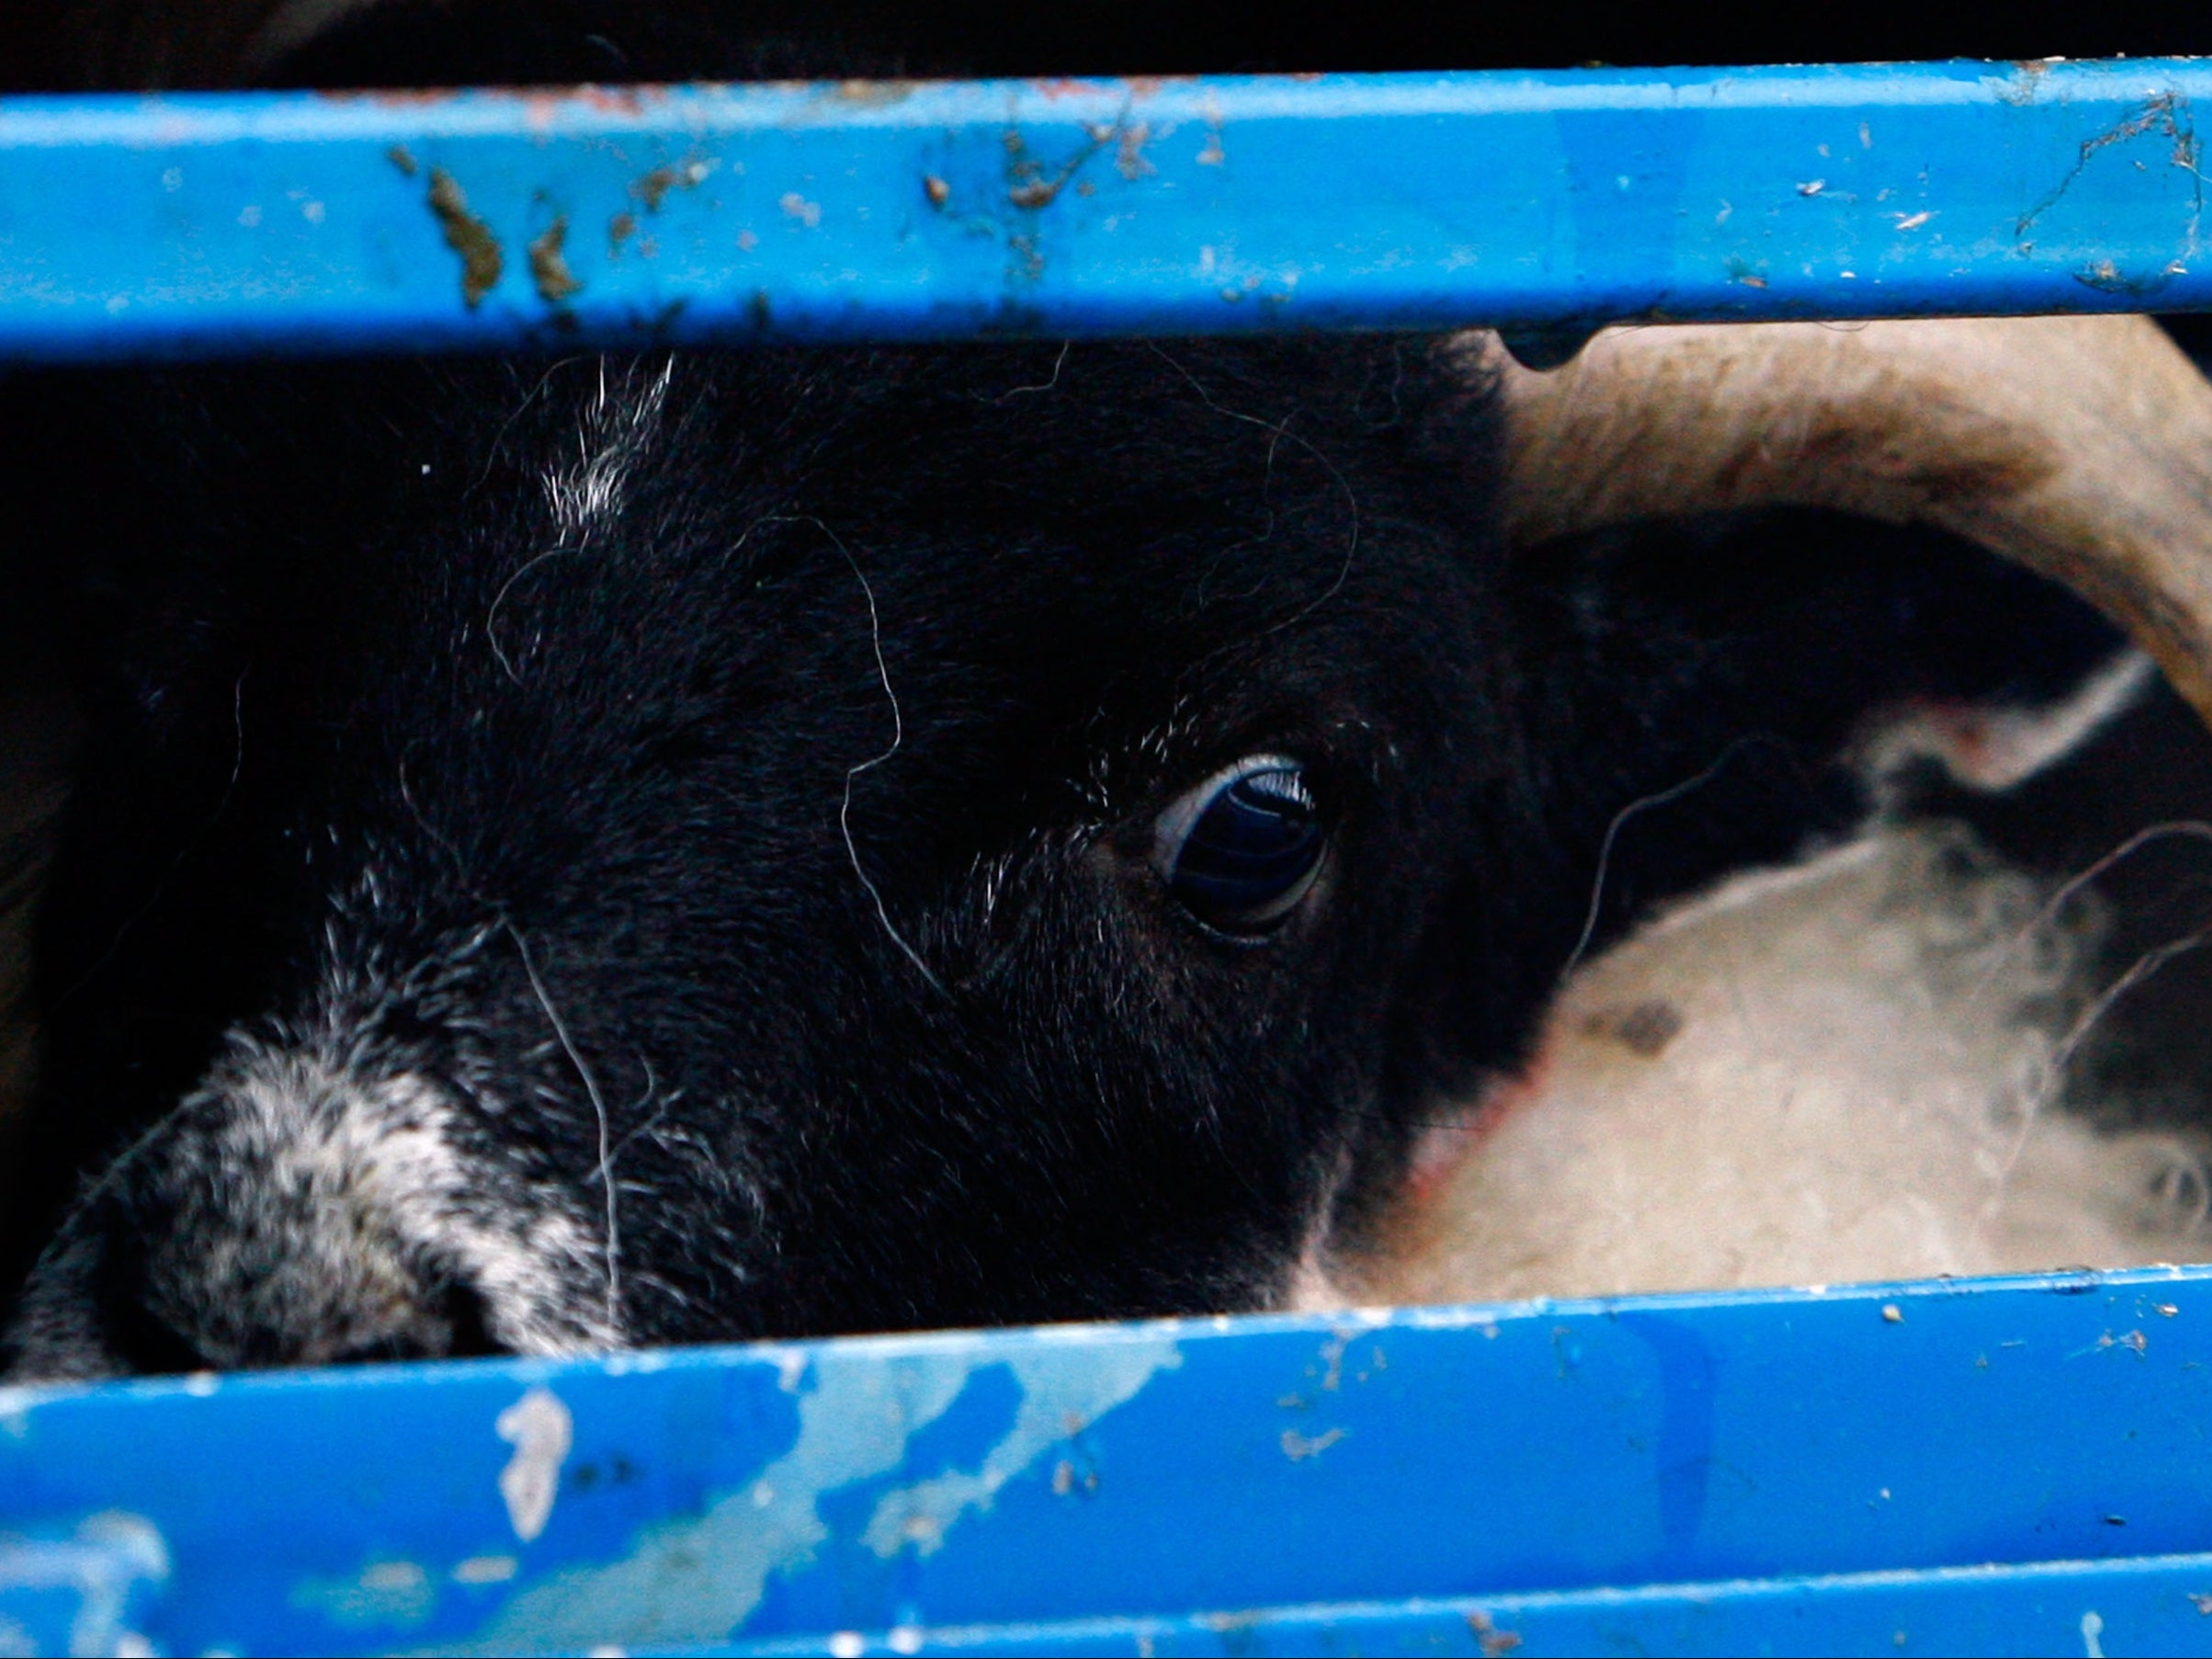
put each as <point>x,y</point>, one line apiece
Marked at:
<point>447,1325</point>
<point>146,1343</point>
<point>472,1337</point>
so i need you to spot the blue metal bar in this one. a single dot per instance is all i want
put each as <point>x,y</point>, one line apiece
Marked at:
<point>480,219</point>
<point>1819,1468</point>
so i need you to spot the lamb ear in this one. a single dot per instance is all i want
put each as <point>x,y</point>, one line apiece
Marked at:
<point>2080,446</point>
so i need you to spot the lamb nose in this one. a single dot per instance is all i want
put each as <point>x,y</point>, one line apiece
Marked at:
<point>162,1313</point>
<point>447,1323</point>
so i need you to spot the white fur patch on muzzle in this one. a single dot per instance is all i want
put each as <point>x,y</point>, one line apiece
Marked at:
<point>298,1209</point>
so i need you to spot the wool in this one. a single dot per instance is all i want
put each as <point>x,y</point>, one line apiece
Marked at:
<point>1842,1070</point>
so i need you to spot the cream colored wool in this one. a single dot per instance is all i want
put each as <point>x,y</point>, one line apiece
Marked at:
<point>1841,1071</point>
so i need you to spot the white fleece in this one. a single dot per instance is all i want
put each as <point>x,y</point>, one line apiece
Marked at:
<point>1839,1071</point>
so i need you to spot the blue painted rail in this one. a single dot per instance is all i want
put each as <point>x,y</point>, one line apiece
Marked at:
<point>2002,1466</point>
<point>2012,1466</point>
<point>911,211</point>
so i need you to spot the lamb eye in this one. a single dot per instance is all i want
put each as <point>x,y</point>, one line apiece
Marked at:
<point>1243,848</point>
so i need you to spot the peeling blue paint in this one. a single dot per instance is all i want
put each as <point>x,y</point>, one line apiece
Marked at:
<point>1688,1470</point>
<point>88,1590</point>
<point>694,1580</point>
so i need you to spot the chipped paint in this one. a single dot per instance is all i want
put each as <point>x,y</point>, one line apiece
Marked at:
<point>540,1430</point>
<point>1060,1394</point>
<point>481,260</point>
<point>17,1404</point>
<point>1030,185</point>
<point>1297,1447</point>
<point>696,1580</point>
<point>109,1563</point>
<point>384,1596</point>
<point>1129,152</point>
<point>1493,1640</point>
<point>550,273</point>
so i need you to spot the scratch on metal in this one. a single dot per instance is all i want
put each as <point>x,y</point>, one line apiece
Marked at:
<point>2166,112</point>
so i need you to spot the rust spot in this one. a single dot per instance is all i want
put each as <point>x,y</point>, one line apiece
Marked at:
<point>548,265</point>
<point>616,100</point>
<point>391,97</point>
<point>397,155</point>
<point>481,258</point>
<point>874,93</point>
<point>653,189</point>
<point>1495,1642</point>
<point>621,229</point>
<point>1031,188</point>
<point>1643,1028</point>
<point>937,189</point>
<point>1129,154</point>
